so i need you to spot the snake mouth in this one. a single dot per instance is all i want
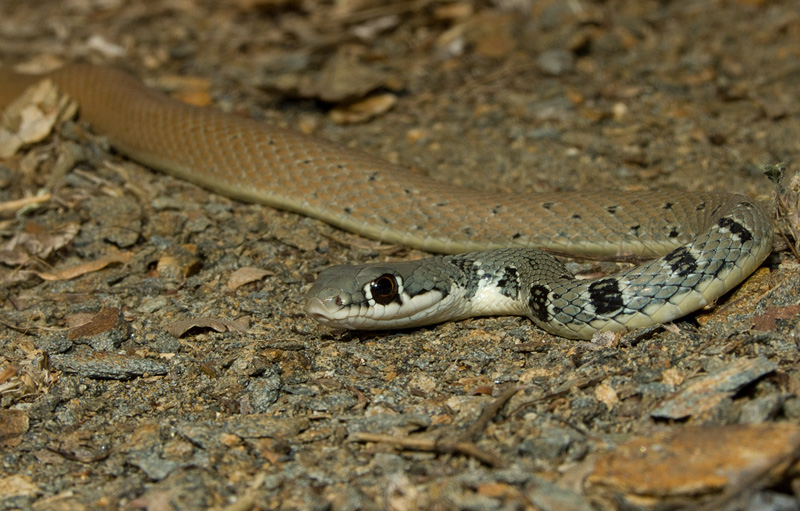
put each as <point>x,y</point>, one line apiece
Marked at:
<point>323,311</point>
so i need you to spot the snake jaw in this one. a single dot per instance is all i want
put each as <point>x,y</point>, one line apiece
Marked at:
<point>324,311</point>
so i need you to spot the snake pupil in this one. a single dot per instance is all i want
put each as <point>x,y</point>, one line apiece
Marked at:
<point>384,289</point>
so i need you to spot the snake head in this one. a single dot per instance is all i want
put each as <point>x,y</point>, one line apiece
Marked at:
<point>372,297</point>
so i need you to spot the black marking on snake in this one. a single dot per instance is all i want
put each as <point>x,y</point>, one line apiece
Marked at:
<point>681,261</point>
<point>700,207</point>
<point>340,165</point>
<point>735,228</point>
<point>440,204</point>
<point>444,291</point>
<point>605,296</point>
<point>496,209</point>
<point>537,302</point>
<point>576,216</point>
<point>466,277</point>
<point>271,142</point>
<point>430,283</point>
<point>373,176</point>
<point>308,161</point>
<point>635,229</point>
<point>509,284</point>
<point>547,205</point>
<point>714,212</point>
<point>612,209</point>
<point>725,266</point>
<point>516,236</point>
<point>407,191</point>
<point>667,205</point>
<point>423,291</point>
<point>464,265</point>
<point>348,209</point>
<point>673,233</point>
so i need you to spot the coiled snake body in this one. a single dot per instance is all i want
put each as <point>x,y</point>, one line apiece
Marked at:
<point>712,241</point>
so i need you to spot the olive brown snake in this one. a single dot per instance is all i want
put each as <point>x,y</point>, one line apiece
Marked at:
<point>707,243</point>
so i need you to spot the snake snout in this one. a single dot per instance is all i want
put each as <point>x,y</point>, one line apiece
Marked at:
<point>319,309</point>
<point>328,305</point>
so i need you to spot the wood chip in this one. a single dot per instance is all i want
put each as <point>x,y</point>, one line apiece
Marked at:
<point>693,461</point>
<point>13,424</point>
<point>18,486</point>
<point>703,394</point>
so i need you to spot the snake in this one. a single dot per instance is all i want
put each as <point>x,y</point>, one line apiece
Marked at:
<point>495,248</point>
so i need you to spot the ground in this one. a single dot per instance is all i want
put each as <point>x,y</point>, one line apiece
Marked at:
<point>153,346</point>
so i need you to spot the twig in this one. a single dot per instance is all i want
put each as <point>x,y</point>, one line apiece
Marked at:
<point>566,388</point>
<point>9,208</point>
<point>390,9</point>
<point>435,446</point>
<point>489,413</point>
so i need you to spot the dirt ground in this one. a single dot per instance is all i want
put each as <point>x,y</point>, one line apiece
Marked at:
<point>154,353</point>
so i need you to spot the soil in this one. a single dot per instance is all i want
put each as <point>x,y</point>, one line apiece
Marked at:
<point>154,352</point>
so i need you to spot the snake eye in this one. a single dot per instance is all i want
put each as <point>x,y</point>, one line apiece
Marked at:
<point>384,289</point>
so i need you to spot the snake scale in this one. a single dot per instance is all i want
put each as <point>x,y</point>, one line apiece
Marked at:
<point>705,243</point>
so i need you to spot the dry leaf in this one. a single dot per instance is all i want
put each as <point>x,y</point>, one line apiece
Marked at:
<point>37,242</point>
<point>32,116</point>
<point>246,275</point>
<point>179,328</point>
<point>8,373</point>
<point>363,110</point>
<point>103,321</point>
<point>31,379</point>
<point>91,266</point>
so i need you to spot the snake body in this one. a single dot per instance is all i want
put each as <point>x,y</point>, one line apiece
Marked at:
<point>707,243</point>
